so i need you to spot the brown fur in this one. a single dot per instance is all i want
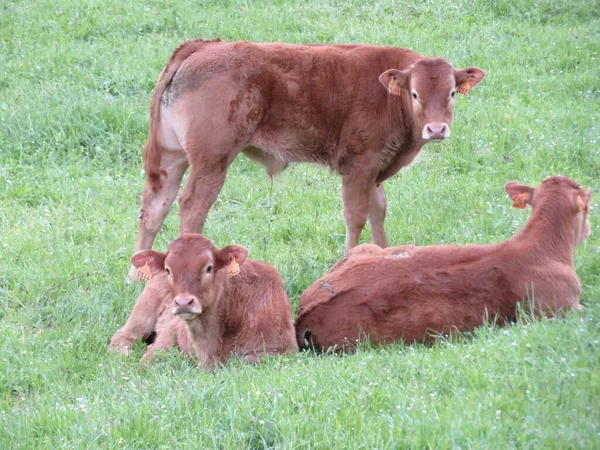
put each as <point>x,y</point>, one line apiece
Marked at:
<point>248,314</point>
<point>281,103</point>
<point>153,148</point>
<point>410,293</point>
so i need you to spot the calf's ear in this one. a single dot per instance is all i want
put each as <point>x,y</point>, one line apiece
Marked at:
<point>155,261</point>
<point>521,194</point>
<point>226,255</point>
<point>395,80</point>
<point>585,195</point>
<point>583,200</point>
<point>467,79</point>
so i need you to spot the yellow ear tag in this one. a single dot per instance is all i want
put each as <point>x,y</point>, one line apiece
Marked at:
<point>233,269</point>
<point>520,201</point>
<point>144,273</point>
<point>394,88</point>
<point>464,89</point>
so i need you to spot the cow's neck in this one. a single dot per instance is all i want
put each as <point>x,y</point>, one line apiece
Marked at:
<point>549,233</point>
<point>400,148</point>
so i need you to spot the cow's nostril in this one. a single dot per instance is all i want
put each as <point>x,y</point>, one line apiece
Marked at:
<point>185,301</point>
<point>429,129</point>
<point>443,129</point>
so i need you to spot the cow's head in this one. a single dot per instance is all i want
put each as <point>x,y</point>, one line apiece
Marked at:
<point>431,84</point>
<point>195,270</point>
<point>559,193</point>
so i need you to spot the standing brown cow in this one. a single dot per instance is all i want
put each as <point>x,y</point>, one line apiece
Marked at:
<point>281,103</point>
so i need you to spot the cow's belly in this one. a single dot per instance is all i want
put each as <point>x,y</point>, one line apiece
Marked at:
<point>293,145</point>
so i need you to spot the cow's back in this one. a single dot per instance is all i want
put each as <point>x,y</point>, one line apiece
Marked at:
<point>258,314</point>
<point>394,299</point>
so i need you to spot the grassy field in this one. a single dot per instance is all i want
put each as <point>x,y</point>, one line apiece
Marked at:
<point>75,82</point>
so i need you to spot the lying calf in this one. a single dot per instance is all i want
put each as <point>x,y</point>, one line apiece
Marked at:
<point>406,293</point>
<point>218,304</point>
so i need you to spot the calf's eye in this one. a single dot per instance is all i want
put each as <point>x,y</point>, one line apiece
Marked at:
<point>415,96</point>
<point>209,269</point>
<point>452,94</point>
<point>168,271</point>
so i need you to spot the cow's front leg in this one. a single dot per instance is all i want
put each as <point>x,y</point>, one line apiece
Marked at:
<point>170,332</point>
<point>357,188</point>
<point>377,216</point>
<point>143,319</point>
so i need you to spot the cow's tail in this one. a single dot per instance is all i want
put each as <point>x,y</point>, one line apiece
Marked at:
<point>153,149</point>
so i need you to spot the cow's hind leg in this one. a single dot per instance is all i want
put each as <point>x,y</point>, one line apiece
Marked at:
<point>202,188</point>
<point>377,216</point>
<point>156,204</point>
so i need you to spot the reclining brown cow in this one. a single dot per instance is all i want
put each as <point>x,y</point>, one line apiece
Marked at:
<point>210,303</point>
<point>281,103</point>
<point>411,293</point>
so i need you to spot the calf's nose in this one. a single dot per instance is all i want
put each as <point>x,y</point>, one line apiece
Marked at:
<point>184,300</point>
<point>436,131</point>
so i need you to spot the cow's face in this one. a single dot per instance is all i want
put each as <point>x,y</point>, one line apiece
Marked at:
<point>432,85</point>
<point>195,270</point>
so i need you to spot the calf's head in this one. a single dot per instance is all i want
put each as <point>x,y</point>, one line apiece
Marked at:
<point>432,84</point>
<point>558,193</point>
<point>195,271</point>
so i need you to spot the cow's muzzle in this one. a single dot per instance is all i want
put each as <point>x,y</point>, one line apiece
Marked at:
<point>186,306</point>
<point>436,131</point>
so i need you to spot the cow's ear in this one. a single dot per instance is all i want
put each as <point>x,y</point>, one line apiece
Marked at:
<point>585,195</point>
<point>467,79</point>
<point>521,194</point>
<point>395,80</point>
<point>226,255</point>
<point>583,200</point>
<point>148,260</point>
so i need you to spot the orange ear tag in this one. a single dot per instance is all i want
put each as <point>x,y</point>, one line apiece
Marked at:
<point>393,88</point>
<point>520,201</point>
<point>144,273</point>
<point>233,269</point>
<point>464,89</point>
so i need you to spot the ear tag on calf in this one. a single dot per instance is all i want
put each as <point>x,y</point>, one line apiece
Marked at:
<point>233,269</point>
<point>464,88</point>
<point>393,88</point>
<point>520,201</point>
<point>144,273</point>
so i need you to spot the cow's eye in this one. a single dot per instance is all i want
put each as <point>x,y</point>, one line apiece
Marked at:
<point>208,269</point>
<point>168,271</point>
<point>452,94</point>
<point>415,96</point>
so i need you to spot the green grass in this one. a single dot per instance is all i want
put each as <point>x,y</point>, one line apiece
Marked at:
<point>75,82</point>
